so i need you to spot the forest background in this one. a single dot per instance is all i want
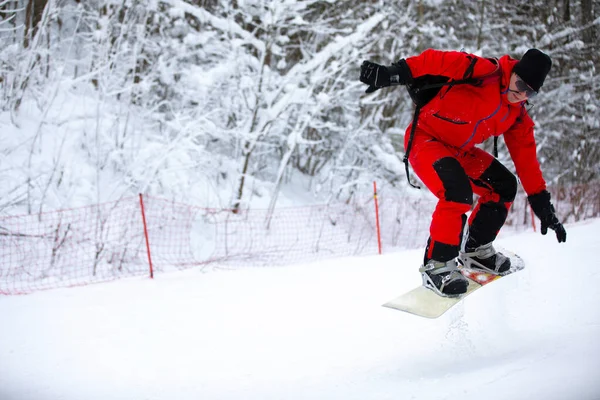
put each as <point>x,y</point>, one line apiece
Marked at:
<point>225,103</point>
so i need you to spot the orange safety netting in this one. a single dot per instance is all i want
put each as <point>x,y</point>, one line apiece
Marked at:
<point>107,241</point>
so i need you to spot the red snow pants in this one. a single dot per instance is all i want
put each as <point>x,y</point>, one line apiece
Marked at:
<point>453,176</point>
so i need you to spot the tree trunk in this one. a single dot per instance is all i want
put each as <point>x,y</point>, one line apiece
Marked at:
<point>481,21</point>
<point>587,18</point>
<point>250,145</point>
<point>567,11</point>
<point>33,17</point>
<point>26,34</point>
<point>237,204</point>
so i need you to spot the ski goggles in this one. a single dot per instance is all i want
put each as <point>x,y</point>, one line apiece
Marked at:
<point>524,88</point>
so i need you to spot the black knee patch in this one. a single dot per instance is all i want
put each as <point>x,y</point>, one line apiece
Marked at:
<point>500,180</point>
<point>455,180</point>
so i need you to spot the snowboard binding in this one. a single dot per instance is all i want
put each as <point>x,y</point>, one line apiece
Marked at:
<point>485,259</point>
<point>444,278</point>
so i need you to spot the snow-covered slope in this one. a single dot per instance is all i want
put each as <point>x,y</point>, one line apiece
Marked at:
<point>314,331</point>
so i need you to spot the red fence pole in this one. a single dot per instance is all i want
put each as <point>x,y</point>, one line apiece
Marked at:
<point>146,236</point>
<point>377,215</point>
<point>532,218</point>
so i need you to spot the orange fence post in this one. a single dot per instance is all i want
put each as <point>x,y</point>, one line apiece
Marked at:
<point>377,215</point>
<point>146,236</point>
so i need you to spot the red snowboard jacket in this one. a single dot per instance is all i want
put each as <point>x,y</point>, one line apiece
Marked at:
<point>466,115</point>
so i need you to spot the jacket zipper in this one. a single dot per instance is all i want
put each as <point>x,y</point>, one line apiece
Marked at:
<point>479,122</point>
<point>450,120</point>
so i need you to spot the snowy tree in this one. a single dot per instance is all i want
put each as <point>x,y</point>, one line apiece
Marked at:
<point>238,98</point>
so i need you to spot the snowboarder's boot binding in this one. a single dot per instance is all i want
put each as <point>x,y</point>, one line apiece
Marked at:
<point>486,259</point>
<point>444,278</point>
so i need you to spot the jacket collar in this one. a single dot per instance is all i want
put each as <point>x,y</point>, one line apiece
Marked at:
<point>507,64</point>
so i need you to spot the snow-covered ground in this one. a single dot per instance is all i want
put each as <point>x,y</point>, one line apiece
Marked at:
<point>314,331</point>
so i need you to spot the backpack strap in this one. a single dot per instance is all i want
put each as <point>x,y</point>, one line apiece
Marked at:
<point>469,71</point>
<point>496,146</point>
<point>413,128</point>
<point>466,79</point>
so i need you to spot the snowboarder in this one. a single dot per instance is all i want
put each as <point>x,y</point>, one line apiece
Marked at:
<point>440,145</point>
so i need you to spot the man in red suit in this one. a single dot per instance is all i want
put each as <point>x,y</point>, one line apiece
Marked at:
<point>442,153</point>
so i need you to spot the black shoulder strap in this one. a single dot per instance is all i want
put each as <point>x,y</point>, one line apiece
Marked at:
<point>466,79</point>
<point>470,68</point>
<point>496,146</point>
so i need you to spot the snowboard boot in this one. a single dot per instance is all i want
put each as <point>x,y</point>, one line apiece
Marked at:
<point>444,278</point>
<point>485,259</point>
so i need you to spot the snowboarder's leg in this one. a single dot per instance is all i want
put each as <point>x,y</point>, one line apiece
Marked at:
<point>497,188</point>
<point>438,168</point>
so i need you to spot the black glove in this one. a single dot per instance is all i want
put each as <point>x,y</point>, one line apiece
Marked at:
<point>543,208</point>
<point>378,76</point>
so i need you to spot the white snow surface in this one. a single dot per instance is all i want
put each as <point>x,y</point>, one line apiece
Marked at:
<point>314,331</point>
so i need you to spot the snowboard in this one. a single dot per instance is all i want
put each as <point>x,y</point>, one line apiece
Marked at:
<point>426,303</point>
